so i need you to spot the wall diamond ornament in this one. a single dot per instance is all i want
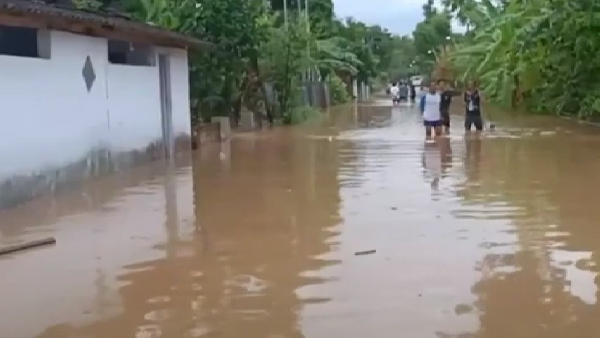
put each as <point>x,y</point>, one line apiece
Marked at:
<point>89,76</point>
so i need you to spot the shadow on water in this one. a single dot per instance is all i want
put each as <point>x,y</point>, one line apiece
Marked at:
<point>474,236</point>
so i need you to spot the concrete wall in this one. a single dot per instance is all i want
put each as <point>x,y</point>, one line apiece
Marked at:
<point>51,122</point>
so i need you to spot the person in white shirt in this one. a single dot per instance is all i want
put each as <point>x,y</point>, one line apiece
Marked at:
<point>394,92</point>
<point>430,109</point>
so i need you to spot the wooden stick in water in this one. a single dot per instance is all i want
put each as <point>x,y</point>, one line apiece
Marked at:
<point>27,245</point>
<point>366,252</point>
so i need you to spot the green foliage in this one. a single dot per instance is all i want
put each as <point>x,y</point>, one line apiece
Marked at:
<point>177,15</point>
<point>257,45</point>
<point>87,4</point>
<point>337,90</point>
<point>301,114</point>
<point>402,63</point>
<point>239,28</point>
<point>542,51</point>
<point>430,37</point>
<point>322,18</point>
<point>285,56</point>
<point>333,55</point>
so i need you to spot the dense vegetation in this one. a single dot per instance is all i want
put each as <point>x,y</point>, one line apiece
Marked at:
<point>539,54</point>
<point>258,47</point>
<point>432,36</point>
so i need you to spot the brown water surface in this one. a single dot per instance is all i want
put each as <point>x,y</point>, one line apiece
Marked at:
<point>493,236</point>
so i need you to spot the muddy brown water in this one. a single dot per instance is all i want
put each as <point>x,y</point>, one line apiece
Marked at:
<point>490,236</point>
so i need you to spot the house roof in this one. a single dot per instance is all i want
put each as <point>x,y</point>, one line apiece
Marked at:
<point>106,19</point>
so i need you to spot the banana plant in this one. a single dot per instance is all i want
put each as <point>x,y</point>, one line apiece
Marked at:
<point>176,15</point>
<point>331,55</point>
<point>497,56</point>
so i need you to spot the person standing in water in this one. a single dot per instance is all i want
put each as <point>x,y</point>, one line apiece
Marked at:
<point>394,92</point>
<point>403,92</point>
<point>473,107</point>
<point>430,109</point>
<point>413,91</point>
<point>446,100</point>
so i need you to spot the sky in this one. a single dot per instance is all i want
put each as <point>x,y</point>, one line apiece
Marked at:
<point>398,16</point>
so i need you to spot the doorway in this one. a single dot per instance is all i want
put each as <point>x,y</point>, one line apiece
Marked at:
<point>166,115</point>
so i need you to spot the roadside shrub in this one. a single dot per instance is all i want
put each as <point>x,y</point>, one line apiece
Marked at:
<point>337,90</point>
<point>301,114</point>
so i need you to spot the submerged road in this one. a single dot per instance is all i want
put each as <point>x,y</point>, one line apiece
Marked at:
<point>491,237</point>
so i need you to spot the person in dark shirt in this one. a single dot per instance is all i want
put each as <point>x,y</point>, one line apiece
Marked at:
<point>445,102</point>
<point>413,91</point>
<point>473,107</point>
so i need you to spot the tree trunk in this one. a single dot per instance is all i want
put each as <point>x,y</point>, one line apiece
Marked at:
<point>516,94</point>
<point>261,88</point>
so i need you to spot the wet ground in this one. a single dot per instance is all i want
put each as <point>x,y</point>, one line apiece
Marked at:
<point>491,237</point>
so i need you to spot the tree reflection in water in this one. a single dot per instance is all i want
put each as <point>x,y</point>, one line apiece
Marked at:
<point>268,219</point>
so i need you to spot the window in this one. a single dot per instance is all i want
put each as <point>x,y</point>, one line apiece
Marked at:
<point>130,53</point>
<point>24,42</point>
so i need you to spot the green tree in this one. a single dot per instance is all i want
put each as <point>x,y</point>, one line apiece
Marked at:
<point>322,18</point>
<point>254,47</point>
<point>285,57</point>
<point>430,36</point>
<point>429,10</point>
<point>540,53</point>
<point>236,27</point>
<point>403,59</point>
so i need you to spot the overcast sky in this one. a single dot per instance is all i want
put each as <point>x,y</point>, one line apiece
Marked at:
<point>398,16</point>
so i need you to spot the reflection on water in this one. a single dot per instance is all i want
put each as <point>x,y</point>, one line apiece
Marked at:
<point>473,157</point>
<point>432,163</point>
<point>257,237</point>
<point>436,160</point>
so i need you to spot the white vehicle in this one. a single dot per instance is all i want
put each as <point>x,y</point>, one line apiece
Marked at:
<point>416,80</point>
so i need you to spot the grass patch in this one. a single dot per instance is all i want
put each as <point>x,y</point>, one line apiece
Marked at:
<point>301,114</point>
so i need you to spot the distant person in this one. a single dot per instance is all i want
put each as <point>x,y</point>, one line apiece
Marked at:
<point>446,100</point>
<point>394,92</point>
<point>403,92</point>
<point>473,107</point>
<point>413,91</point>
<point>430,109</point>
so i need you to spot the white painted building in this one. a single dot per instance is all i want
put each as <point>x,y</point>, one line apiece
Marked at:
<point>81,94</point>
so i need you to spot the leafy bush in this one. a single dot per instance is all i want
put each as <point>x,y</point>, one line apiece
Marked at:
<point>539,54</point>
<point>301,114</point>
<point>337,90</point>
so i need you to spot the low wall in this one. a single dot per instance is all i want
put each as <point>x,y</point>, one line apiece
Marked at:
<point>205,132</point>
<point>19,189</point>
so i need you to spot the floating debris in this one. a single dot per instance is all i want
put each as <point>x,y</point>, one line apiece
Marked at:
<point>367,252</point>
<point>27,245</point>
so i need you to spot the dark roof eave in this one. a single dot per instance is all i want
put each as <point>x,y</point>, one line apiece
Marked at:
<point>159,35</point>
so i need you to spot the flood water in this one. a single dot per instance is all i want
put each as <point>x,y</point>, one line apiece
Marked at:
<point>491,237</point>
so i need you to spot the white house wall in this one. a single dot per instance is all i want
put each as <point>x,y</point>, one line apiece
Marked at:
<point>50,120</point>
<point>180,89</point>
<point>48,117</point>
<point>134,106</point>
